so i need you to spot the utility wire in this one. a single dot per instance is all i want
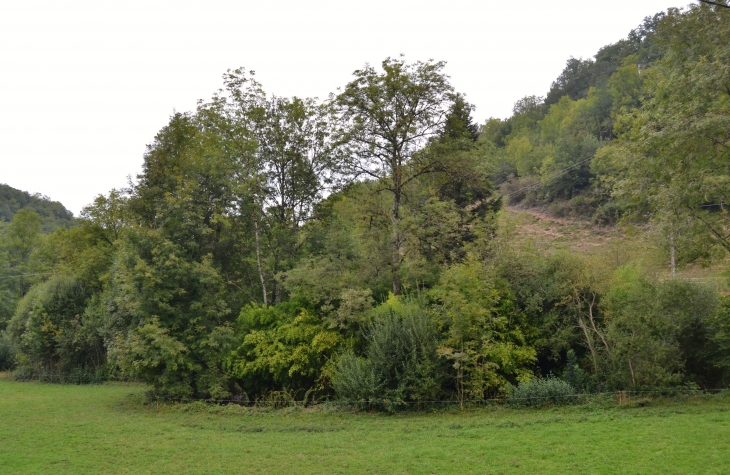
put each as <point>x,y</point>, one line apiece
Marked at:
<point>715,3</point>
<point>25,275</point>
<point>558,173</point>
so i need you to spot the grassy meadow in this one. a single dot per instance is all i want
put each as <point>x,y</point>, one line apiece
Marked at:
<point>66,429</point>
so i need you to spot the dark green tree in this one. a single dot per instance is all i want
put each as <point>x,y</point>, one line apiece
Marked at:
<point>391,115</point>
<point>675,148</point>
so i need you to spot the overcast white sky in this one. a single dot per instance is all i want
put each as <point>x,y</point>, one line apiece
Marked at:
<point>85,85</point>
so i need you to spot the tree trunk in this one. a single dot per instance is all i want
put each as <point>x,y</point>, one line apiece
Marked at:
<point>395,263</point>
<point>258,260</point>
<point>633,377</point>
<point>671,255</point>
<point>583,327</point>
<point>593,324</point>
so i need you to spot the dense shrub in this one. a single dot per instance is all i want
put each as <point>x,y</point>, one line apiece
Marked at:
<point>576,207</point>
<point>576,376</point>
<point>659,333</point>
<point>77,375</point>
<point>281,347</point>
<point>53,332</point>
<point>8,351</point>
<point>523,190</point>
<point>719,331</point>
<point>356,381</point>
<point>482,333</point>
<point>400,363</point>
<point>542,392</point>
<point>171,317</point>
<point>609,213</point>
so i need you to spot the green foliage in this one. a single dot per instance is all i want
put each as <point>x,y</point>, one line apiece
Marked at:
<point>167,311</point>
<point>541,392</point>
<point>346,252</point>
<point>391,115</point>
<point>719,334</point>
<point>572,154</point>
<point>59,326</point>
<point>54,333</point>
<point>150,352</point>
<point>288,248</point>
<point>283,156</point>
<point>459,123</point>
<point>484,332</point>
<point>400,364</point>
<point>20,265</point>
<point>109,214</point>
<point>677,160</point>
<point>558,294</point>
<point>554,139</point>
<point>52,213</point>
<point>654,329</point>
<point>8,351</point>
<point>573,82</point>
<point>576,376</point>
<point>281,347</point>
<point>626,86</point>
<point>23,235</point>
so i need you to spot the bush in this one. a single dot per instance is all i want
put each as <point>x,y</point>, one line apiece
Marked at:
<point>660,333</point>
<point>280,347</point>
<point>542,392</point>
<point>574,375</point>
<point>609,213</point>
<point>400,366</point>
<point>355,379</point>
<point>523,190</point>
<point>8,352</point>
<point>78,375</point>
<point>53,332</point>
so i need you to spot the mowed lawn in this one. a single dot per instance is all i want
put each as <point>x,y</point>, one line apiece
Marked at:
<point>58,429</point>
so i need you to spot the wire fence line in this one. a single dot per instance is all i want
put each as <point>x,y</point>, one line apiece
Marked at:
<point>285,402</point>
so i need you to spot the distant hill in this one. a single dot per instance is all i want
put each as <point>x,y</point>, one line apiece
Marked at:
<point>53,213</point>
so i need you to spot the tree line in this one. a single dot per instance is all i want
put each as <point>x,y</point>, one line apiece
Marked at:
<point>351,248</point>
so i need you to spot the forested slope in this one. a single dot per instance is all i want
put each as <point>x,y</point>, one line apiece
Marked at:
<point>25,221</point>
<point>552,151</point>
<point>53,214</point>
<point>354,248</point>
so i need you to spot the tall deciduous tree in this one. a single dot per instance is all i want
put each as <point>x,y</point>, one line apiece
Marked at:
<point>23,237</point>
<point>298,159</point>
<point>230,116</point>
<point>678,144</point>
<point>391,115</point>
<point>285,160</point>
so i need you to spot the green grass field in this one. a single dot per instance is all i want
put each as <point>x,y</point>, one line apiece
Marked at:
<point>58,429</point>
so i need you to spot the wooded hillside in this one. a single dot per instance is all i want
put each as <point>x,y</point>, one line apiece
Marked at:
<point>53,214</point>
<point>352,248</point>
